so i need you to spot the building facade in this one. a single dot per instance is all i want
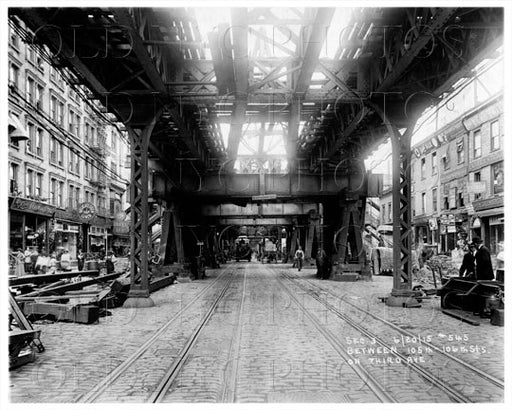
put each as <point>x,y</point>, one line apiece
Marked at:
<point>67,180</point>
<point>458,179</point>
<point>457,172</point>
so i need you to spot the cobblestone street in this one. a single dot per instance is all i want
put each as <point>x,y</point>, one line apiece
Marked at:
<point>274,335</point>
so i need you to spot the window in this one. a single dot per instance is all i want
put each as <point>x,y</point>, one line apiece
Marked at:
<point>434,163</point>
<point>446,162</point>
<point>13,178</point>
<point>39,185</point>
<point>434,200</point>
<point>29,183</point>
<point>460,152</point>
<point>87,168</point>
<point>477,178</point>
<point>14,39</point>
<point>423,168</point>
<point>390,212</point>
<point>71,164</point>
<point>14,76</point>
<point>39,97</point>
<point>53,109</point>
<point>446,203</point>
<point>87,133</point>
<point>423,202</point>
<point>460,199</point>
<point>31,142</point>
<point>60,196</point>
<point>53,150</point>
<point>71,124</point>
<point>30,90</point>
<point>77,165</point>
<point>39,142</point>
<point>53,191</point>
<point>495,135</point>
<point>60,113</point>
<point>498,178</point>
<point>477,144</point>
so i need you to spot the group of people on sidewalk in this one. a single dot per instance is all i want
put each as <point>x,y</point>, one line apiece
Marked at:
<point>477,263</point>
<point>32,262</point>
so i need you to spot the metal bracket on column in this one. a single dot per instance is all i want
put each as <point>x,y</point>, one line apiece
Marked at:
<point>139,143</point>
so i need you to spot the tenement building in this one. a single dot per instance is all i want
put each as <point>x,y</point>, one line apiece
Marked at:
<point>67,176</point>
<point>457,168</point>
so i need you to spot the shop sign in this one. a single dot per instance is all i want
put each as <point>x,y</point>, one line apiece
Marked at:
<point>432,223</point>
<point>496,220</point>
<point>452,229</point>
<point>86,211</point>
<point>120,227</point>
<point>21,204</point>
<point>477,223</point>
<point>443,229</point>
<point>451,219</point>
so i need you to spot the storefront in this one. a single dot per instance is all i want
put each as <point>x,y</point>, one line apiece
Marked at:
<point>453,228</point>
<point>30,224</point>
<point>66,236</point>
<point>97,239</point>
<point>489,222</point>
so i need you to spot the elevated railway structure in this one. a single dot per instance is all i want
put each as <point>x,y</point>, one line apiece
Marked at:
<point>264,71</point>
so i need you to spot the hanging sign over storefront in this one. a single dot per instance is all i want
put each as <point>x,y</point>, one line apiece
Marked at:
<point>86,211</point>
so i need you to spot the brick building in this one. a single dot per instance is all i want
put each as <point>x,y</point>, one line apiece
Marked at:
<point>457,171</point>
<point>67,180</point>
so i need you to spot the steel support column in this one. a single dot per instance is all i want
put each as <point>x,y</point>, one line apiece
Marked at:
<point>139,289</point>
<point>401,294</point>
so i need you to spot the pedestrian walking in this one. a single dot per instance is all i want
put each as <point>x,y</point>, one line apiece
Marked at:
<point>323,265</point>
<point>110,260</point>
<point>483,263</point>
<point>20,263</point>
<point>299,257</point>
<point>80,260</point>
<point>28,261</point>
<point>467,268</point>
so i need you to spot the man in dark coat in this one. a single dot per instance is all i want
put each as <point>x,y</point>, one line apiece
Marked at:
<point>483,268</point>
<point>467,269</point>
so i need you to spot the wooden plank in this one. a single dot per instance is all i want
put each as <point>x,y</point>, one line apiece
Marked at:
<point>79,285</point>
<point>23,322</point>
<point>55,277</point>
<point>160,283</point>
<point>461,316</point>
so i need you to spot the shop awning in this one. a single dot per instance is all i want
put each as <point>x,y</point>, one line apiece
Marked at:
<point>491,212</point>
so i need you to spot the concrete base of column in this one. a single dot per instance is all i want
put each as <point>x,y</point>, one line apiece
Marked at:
<point>138,302</point>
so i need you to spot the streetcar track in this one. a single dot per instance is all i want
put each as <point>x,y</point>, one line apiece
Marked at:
<point>426,374</point>
<point>170,376</point>
<point>109,379</point>
<point>372,383</point>
<point>490,378</point>
<point>229,390</point>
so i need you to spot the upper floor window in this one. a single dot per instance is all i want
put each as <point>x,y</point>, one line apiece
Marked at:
<point>13,178</point>
<point>423,168</point>
<point>14,39</point>
<point>423,202</point>
<point>495,135</point>
<point>460,152</point>
<point>14,76</point>
<point>445,161</point>
<point>498,178</point>
<point>434,200</point>
<point>477,144</point>
<point>434,163</point>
